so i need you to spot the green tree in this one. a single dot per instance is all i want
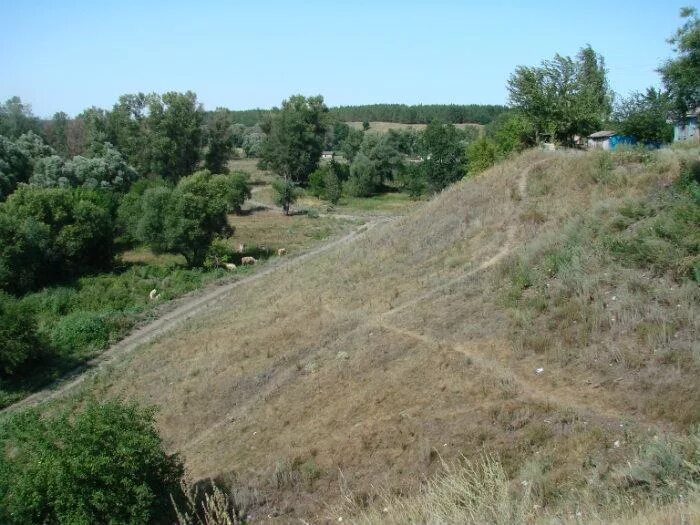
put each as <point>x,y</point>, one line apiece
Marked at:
<point>286,193</point>
<point>48,234</point>
<point>20,343</point>
<point>364,179</point>
<point>444,156</point>
<point>481,155</point>
<point>352,144</point>
<point>644,116</point>
<point>511,132</point>
<point>563,97</point>
<point>294,138</point>
<point>173,134</point>
<point>102,464</point>
<point>57,133</point>
<point>219,141</point>
<point>16,118</point>
<point>184,219</point>
<point>15,167</point>
<point>332,186</point>
<point>681,75</point>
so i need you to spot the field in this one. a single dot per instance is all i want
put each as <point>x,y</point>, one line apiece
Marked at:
<point>384,127</point>
<point>544,314</point>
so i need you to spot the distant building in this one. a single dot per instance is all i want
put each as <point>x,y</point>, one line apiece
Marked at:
<point>608,140</point>
<point>687,128</point>
<point>327,155</point>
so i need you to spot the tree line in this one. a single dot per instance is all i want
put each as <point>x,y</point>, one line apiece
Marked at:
<point>400,113</point>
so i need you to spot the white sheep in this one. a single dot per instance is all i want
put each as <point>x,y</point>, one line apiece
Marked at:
<point>248,260</point>
<point>230,266</point>
<point>281,252</point>
<point>154,295</point>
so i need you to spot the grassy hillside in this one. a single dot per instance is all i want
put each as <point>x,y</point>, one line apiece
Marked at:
<point>539,322</point>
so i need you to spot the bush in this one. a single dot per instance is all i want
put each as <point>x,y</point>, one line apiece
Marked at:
<point>332,187</point>
<point>317,182</point>
<point>481,155</point>
<point>363,181</point>
<point>19,342</point>
<point>103,464</point>
<point>286,192</point>
<point>184,219</point>
<point>48,234</point>
<point>80,331</point>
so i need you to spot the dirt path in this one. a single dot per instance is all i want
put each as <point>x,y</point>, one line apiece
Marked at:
<point>190,307</point>
<point>528,382</point>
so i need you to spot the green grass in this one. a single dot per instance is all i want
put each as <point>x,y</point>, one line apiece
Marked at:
<point>84,317</point>
<point>391,201</point>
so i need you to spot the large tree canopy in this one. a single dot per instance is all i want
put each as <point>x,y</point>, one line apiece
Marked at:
<point>563,97</point>
<point>294,137</point>
<point>681,75</point>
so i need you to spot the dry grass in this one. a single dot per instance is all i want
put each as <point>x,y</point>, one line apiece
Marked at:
<point>250,166</point>
<point>420,340</point>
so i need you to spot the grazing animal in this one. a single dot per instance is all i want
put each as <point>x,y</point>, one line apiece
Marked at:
<point>230,266</point>
<point>241,248</point>
<point>154,295</point>
<point>248,260</point>
<point>282,251</point>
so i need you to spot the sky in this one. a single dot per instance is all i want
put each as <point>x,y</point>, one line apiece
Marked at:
<point>69,55</point>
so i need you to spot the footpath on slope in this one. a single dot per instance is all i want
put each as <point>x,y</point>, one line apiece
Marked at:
<point>191,306</point>
<point>536,388</point>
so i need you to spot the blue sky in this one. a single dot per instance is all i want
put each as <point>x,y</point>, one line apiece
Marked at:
<point>70,55</point>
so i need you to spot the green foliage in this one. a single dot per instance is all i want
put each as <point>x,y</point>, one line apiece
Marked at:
<point>481,155</point>
<point>352,144</point>
<point>563,97</point>
<point>286,193</point>
<point>332,186</point>
<point>174,134</point>
<point>665,233</point>
<point>420,114</point>
<point>317,181</point>
<point>444,156</point>
<point>103,464</point>
<point>15,167</point>
<point>364,178</point>
<point>511,132</point>
<point>680,74</point>
<point>295,137</point>
<point>414,180</point>
<point>20,343</point>
<point>80,332</point>
<point>644,116</point>
<point>16,118</point>
<point>365,125</point>
<point>47,234</point>
<point>186,218</point>
<point>219,141</point>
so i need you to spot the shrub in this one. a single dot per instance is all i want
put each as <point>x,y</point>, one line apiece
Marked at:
<point>47,234</point>
<point>332,187</point>
<point>481,155</point>
<point>363,181</point>
<point>80,330</point>
<point>19,341</point>
<point>103,464</point>
<point>286,192</point>
<point>184,219</point>
<point>317,182</point>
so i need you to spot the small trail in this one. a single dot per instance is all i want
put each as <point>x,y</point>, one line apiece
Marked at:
<point>190,307</point>
<point>534,388</point>
<point>503,252</point>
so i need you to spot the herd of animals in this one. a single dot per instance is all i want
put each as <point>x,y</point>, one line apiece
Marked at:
<point>245,261</point>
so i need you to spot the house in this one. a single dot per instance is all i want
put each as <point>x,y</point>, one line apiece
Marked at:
<point>687,128</point>
<point>608,140</point>
<point>327,155</point>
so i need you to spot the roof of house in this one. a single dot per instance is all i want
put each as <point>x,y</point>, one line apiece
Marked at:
<point>602,134</point>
